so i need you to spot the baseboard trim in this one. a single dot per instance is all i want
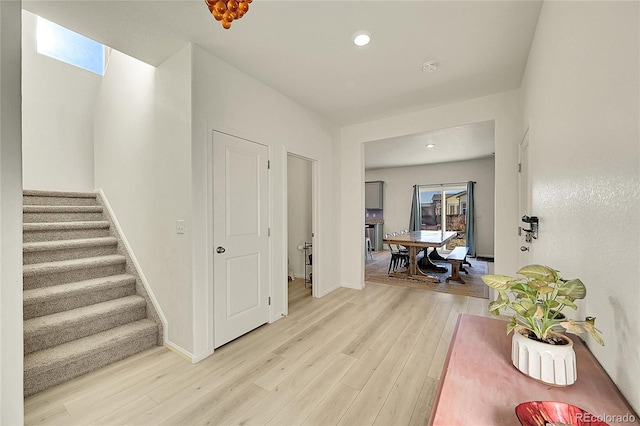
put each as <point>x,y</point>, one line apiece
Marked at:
<point>324,293</point>
<point>349,286</point>
<point>179,351</point>
<point>491,256</point>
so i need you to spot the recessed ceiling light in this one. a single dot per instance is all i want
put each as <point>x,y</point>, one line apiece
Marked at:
<point>361,38</point>
<point>430,145</point>
<point>430,66</point>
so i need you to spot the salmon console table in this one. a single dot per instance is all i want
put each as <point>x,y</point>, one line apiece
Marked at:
<point>480,386</point>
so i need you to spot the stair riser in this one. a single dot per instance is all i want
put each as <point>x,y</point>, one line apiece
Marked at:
<point>29,258</point>
<point>66,234</point>
<point>35,381</point>
<point>31,282</point>
<point>54,306</point>
<point>31,200</point>
<point>60,217</point>
<point>57,335</point>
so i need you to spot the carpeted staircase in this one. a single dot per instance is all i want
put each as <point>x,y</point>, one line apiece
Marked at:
<point>84,305</point>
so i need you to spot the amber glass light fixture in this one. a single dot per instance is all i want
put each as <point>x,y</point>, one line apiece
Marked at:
<point>227,11</point>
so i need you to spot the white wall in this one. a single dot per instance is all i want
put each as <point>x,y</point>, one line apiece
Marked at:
<point>226,99</point>
<point>502,107</point>
<point>57,119</point>
<point>11,361</point>
<point>398,192</point>
<point>299,226</point>
<point>142,162</point>
<point>581,103</point>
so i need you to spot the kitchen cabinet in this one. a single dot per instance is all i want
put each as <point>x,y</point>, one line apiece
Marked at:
<point>373,194</point>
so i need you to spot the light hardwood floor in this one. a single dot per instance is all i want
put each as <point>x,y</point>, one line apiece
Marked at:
<point>351,358</point>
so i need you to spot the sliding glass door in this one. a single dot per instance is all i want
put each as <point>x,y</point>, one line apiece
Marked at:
<point>444,208</point>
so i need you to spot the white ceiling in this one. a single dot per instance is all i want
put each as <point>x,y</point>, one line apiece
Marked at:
<point>304,49</point>
<point>460,143</point>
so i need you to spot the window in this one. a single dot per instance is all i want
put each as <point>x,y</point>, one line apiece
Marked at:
<point>67,46</point>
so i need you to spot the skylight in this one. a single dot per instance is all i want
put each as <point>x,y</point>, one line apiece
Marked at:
<point>67,46</point>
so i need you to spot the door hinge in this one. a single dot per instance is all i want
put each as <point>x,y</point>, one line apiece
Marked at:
<point>268,164</point>
<point>519,167</point>
<point>268,232</point>
<point>269,300</point>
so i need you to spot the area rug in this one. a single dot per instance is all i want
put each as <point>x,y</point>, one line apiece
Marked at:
<point>376,271</point>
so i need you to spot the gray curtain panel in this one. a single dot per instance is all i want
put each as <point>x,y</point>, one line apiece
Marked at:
<point>471,234</point>
<point>416,215</point>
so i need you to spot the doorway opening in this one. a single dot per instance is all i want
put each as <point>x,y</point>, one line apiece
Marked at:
<point>300,230</point>
<point>441,162</point>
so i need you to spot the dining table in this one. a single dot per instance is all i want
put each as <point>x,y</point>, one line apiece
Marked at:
<point>416,241</point>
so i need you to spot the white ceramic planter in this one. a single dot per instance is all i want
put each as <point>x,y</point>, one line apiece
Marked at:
<point>550,364</point>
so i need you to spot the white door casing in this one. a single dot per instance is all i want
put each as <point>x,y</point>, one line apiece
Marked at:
<point>240,236</point>
<point>524,188</point>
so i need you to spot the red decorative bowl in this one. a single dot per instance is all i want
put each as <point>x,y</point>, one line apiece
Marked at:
<point>554,413</point>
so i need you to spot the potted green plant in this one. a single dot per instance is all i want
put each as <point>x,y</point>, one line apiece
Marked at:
<point>537,300</point>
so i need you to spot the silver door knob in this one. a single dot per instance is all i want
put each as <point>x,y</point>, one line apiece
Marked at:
<point>220,249</point>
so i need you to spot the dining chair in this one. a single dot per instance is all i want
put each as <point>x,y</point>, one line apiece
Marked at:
<point>398,257</point>
<point>404,252</point>
<point>368,247</point>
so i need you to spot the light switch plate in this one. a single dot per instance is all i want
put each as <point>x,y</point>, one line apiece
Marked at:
<point>180,226</point>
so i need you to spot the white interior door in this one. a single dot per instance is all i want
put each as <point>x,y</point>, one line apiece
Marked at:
<point>240,236</point>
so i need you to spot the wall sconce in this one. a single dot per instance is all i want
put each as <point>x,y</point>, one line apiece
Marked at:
<point>531,233</point>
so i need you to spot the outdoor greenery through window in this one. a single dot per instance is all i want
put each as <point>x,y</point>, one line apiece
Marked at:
<point>444,208</point>
<point>67,46</point>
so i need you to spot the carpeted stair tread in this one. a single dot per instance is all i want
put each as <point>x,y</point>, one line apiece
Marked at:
<point>65,194</point>
<point>56,226</point>
<point>56,329</point>
<point>75,289</point>
<point>49,323</point>
<point>68,244</point>
<point>61,209</point>
<point>48,268</point>
<point>47,359</point>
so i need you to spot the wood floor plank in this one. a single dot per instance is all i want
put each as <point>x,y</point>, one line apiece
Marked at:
<point>287,389</point>
<point>301,342</point>
<point>219,408</point>
<point>477,306</point>
<point>370,331</point>
<point>296,411</point>
<point>401,402</point>
<point>422,410</point>
<point>118,389</point>
<point>333,406</point>
<point>368,403</point>
<point>367,364</point>
<point>56,415</point>
<point>123,414</point>
<point>336,337</point>
<point>442,349</point>
<point>213,387</point>
<point>433,329</point>
<point>315,310</point>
